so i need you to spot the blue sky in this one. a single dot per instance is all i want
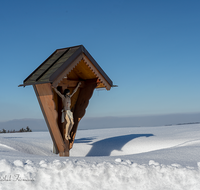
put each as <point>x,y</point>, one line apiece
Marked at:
<point>149,48</point>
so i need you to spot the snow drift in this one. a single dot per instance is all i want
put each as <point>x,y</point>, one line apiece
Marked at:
<point>74,174</point>
<point>147,158</point>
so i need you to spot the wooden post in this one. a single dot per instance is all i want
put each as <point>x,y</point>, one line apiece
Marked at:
<point>45,98</point>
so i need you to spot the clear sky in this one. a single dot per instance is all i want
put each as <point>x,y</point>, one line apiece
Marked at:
<point>149,48</point>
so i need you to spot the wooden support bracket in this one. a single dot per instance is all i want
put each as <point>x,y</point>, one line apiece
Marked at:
<point>81,104</point>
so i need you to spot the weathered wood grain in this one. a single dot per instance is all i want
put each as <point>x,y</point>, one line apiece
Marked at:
<point>45,97</point>
<point>81,104</point>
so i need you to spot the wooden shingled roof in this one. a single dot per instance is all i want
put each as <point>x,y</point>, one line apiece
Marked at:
<point>72,63</point>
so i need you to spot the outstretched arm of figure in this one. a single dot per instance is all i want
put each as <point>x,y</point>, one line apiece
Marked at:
<point>75,89</point>
<point>59,94</point>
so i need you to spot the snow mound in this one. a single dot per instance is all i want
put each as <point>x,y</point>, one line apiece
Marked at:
<point>76,175</point>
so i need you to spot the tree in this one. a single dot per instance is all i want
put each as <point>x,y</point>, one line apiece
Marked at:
<point>3,131</point>
<point>27,129</point>
<point>21,130</point>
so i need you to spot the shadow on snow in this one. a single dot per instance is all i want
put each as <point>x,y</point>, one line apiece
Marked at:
<point>106,146</point>
<point>84,140</point>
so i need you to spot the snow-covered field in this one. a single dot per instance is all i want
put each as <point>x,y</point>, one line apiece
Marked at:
<point>156,158</point>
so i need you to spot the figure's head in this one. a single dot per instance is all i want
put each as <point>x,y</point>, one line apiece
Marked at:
<point>66,92</point>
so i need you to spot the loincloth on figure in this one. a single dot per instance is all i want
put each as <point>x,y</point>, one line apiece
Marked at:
<point>64,113</point>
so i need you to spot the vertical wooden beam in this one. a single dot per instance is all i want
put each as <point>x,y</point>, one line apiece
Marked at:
<point>59,106</point>
<point>45,97</point>
<point>81,104</point>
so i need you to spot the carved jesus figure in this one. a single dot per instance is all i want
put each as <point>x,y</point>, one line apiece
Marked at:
<point>66,112</point>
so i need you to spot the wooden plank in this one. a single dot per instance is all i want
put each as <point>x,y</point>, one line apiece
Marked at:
<point>81,104</point>
<point>100,85</point>
<point>45,97</point>
<point>83,71</point>
<point>69,83</point>
<point>55,99</point>
<point>58,102</point>
<point>97,73</point>
<point>72,74</point>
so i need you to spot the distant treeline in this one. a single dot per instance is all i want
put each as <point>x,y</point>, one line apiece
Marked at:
<point>190,123</point>
<point>13,131</point>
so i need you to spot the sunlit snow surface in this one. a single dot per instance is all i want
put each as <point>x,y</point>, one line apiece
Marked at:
<point>142,158</point>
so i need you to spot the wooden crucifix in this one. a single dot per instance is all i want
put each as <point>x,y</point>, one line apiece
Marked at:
<point>73,72</point>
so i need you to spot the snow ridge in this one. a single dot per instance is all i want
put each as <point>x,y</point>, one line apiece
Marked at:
<point>75,174</point>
